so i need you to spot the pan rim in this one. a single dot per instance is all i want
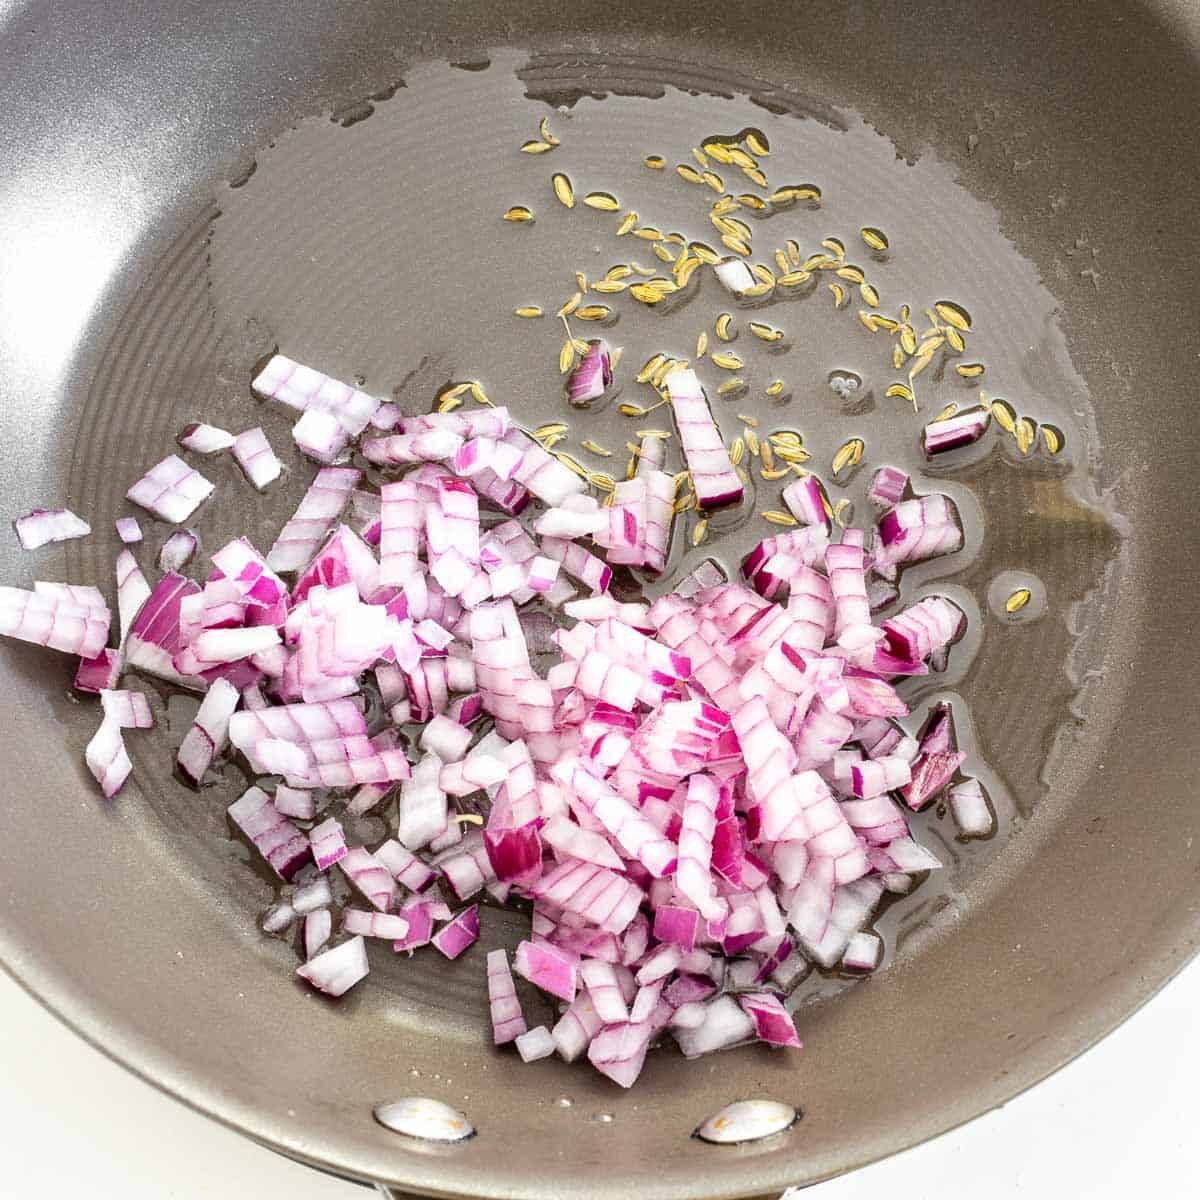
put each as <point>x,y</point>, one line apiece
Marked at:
<point>1105,1014</point>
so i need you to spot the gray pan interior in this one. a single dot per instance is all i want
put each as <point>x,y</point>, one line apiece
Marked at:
<point>137,922</point>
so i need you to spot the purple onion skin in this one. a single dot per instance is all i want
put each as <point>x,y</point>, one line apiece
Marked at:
<point>960,430</point>
<point>733,496</point>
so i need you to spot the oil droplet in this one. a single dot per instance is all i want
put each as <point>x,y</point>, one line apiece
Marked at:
<point>844,384</point>
<point>564,1102</point>
<point>1006,585</point>
<point>414,1072</point>
<point>605,1118</point>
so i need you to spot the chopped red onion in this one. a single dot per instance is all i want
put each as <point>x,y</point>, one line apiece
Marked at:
<point>316,515</point>
<point>153,639</point>
<point>48,619</point>
<point>337,970</point>
<point>44,525</point>
<point>592,374</point>
<point>458,934</point>
<point>128,530</point>
<point>106,757</point>
<point>284,847</point>
<point>256,458</point>
<point>969,808</point>
<point>576,1028</point>
<point>687,787</point>
<point>311,896</point>
<point>876,776</point>
<point>725,1024</point>
<point>591,571</point>
<point>374,924</point>
<point>369,876</point>
<point>619,1051</point>
<point>387,416</point>
<point>549,968</point>
<point>961,429</point>
<point>423,810</point>
<point>468,869</point>
<point>913,635</point>
<point>171,490</point>
<point>328,842</point>
<point>688,1016</point>
<point>693,876</point>
<point>428,445</point>
<point>600,979</point>
<point>863,952</point>
<point>536,1043</point>
<point>599,895</point>
<point>318,926</point>
<point>204,439</point>
<point>914,530</point>
<point>789,972</point>
<point>579,516</point>
<point>177,550</point>
<point>735,276</point>
<point>772,1023</point>
<point>713,474</point>
<point>805,500</point>
<point>209,735</point>
<point>540,472</point>
<point>888,486</point>
<point>405,867</point>
<point>573,841</point>
<point>508,1021</point>
<point>852,611</point>
<point>95,674</point>
<point>278,918</point>
<point>130,710</point>
<point>308,391</point>
<point>228,645</point>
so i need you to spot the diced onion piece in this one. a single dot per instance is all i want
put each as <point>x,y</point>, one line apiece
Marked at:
<point>772,1023</point>
<point>171,490</point>
<point>318,926</point>
<point>256,458</point>
<point>863,952</point>
<point>209,735</point>
<point>536,1043</point>
<point>713,475</point>
<point>328,842</point>
<point>44,525</point>
<point>204,439</point>
<point>128,530</point>
<point>283,846</point>
<point>316,515</point>
<point>725,1024</point>
<point>735,276</point>
<point>130,710</point>
<point>961,429</point>
<point>591,376</point>
<point>52,621</point>
<point>337,970</point>
<point>458,934</point>
<point>888,486</point>
<point>508,1021</point>
<point>106,757</point>
<point>969,807</point>
<point>309,392</point>
<point>549,968</point>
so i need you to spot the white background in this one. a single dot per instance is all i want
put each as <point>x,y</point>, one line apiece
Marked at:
<point>74,1124</point>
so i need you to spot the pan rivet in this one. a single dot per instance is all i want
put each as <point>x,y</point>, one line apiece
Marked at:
<point>747,1121</point>
<point>421,1117</point>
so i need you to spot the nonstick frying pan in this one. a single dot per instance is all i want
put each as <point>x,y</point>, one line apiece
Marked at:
<point>137,922</point>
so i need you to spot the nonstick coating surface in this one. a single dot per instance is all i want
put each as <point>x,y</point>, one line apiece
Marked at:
<point>136,922</point>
